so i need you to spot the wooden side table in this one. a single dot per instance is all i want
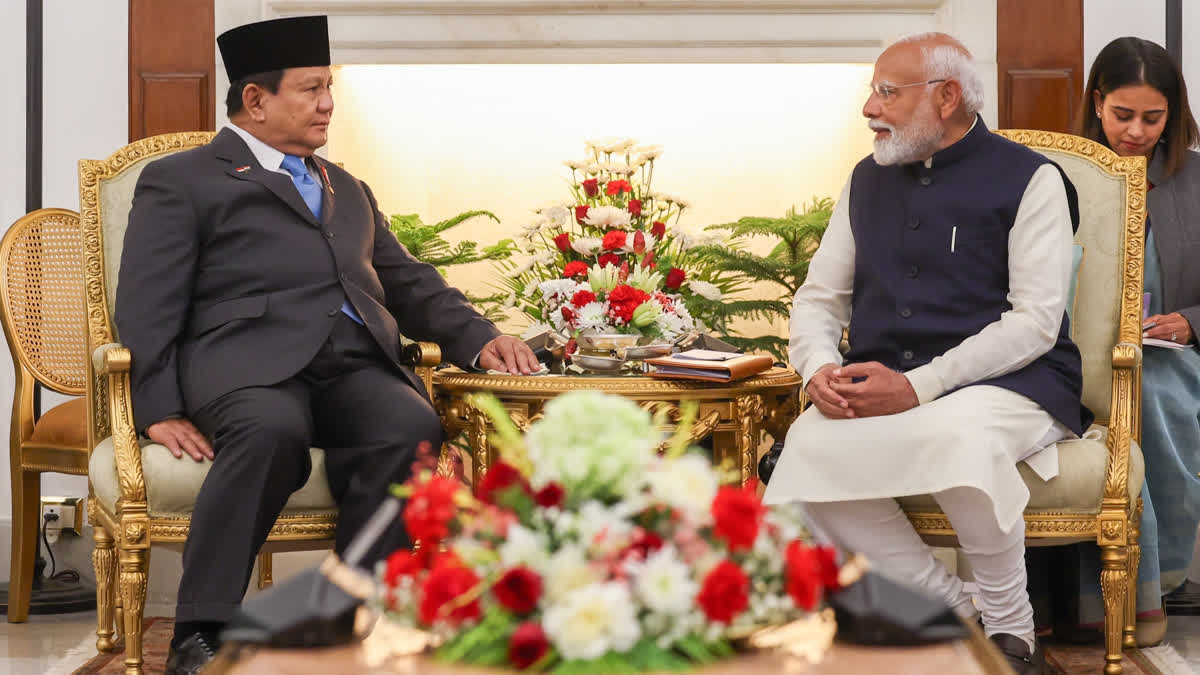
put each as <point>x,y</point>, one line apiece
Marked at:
<point>735,413</point>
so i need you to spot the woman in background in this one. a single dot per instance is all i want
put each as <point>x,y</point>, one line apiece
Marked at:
<point>1136,103</point>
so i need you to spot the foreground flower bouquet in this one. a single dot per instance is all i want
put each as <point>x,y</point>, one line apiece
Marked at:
<point>613,259</point>
<point>587,551</point>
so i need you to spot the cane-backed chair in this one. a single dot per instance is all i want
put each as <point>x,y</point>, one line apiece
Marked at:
<point>1095,496</point>
<point>142,495</point>
<point>41,307</point>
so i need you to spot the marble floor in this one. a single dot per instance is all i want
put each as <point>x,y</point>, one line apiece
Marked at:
<point>56,645</point>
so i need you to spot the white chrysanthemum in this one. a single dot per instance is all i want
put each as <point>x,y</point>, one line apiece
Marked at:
<point>575,164</point>
<point>556,215</point>
<point>546,257</point>
<point>682,203</point>
<point>523,267</point>
<point>534,226</point>
<point>670,325</point>
<point>587,245</point>
<point>510,301</point>
<point>687,483</point>
<point>592,316</point>
<point>524,547</point>
<point>567,571</point>
<point>558,291</point>
<point>591,444</point>
<point>608,216</point>
<point>595,620</point>
<point>704,289</point>
<point>651,151</point>
<point>592,169</point>
<point>664,583</point>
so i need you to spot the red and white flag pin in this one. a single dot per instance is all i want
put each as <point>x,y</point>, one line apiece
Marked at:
<point>242,169</point>
<point>326,175</point>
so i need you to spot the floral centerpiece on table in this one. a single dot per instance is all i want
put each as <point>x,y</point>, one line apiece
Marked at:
<point>613,258</point>
<point>585,550</point>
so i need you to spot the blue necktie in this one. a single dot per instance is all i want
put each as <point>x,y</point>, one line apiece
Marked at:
<point>311,193</point>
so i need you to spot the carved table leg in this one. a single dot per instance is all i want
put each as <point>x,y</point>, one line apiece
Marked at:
<point>477,437</point>
<point>750,411</point>
<point>266,577</point>
<point>104,560</point>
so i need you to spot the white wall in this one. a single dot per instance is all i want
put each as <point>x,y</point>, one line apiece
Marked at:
<point>85,104</point>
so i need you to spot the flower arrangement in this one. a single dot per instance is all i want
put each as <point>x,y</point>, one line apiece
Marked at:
<point>586,550</point>
<point>613,259</point>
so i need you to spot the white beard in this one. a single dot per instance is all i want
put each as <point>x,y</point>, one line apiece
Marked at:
<point>911,143</point>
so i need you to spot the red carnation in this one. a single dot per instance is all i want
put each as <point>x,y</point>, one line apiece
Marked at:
<point>575,268</point>
<point>582,297</point>
<point>616,187</point>
<point>635,207</point>
<point>518,590</point>
<point>737,516</point>
<point>527,645</point>
<point>580,213</point>
<point>499,477</point>
<point>725,592</point>
<point>591,187</point>
<point>402,563</point>
<point>449,581</point>
<point>552,494</point>
<point>658,229</point>
<point>428,512</point>
<point>563,242</point>
<point>609,259</point>
<point>675,278</point>
<point>809,570</point>
<point>623,299</point>
<point>614,240</point>
<point>639,242</point>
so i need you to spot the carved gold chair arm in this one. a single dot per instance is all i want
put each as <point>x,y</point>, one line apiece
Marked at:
<point>1127,363</point>
<point>113,362</point>
<point>421,354</point>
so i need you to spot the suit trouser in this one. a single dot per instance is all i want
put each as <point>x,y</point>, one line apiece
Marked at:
<point>351,402</point>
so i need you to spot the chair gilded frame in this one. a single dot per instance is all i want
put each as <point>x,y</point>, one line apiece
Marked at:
<point>1115,527</point>
<point>123,536</point>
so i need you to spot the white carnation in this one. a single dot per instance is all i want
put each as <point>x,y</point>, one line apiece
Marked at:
<point>664,583</point>
<point>594,620</point>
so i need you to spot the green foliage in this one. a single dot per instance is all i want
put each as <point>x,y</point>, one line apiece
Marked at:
<point>795,236</point>
<point>426,244</point>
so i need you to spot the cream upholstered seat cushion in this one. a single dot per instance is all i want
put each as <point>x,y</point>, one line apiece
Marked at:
<point>172,484</point>
<point>1079,486</point>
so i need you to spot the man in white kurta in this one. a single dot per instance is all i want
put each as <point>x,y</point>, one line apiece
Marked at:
<point>952,423</point>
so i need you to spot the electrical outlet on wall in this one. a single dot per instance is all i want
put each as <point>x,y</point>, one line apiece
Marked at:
<point>62,513</point>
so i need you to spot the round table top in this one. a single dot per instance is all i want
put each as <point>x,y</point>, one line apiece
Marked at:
<point>452,380</point>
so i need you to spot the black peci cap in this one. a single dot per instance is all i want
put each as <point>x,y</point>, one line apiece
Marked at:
<point>294,42</point>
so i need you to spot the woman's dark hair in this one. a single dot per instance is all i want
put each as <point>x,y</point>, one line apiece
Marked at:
<point>269,80</point>
<point>1132,61</point>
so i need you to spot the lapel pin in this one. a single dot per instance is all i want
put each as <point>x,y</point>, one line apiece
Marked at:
<point>326,175</point>
<point>242,169</point>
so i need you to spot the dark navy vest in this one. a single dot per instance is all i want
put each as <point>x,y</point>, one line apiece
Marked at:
<point>914,299</point>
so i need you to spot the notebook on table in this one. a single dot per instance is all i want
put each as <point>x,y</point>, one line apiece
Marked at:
<point>700,364</point>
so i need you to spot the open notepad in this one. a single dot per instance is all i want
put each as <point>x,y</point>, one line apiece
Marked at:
<point>1166,344</point>
<point>708,366</point>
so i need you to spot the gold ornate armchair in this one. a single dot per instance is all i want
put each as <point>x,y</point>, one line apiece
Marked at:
<point>141,495</point>
<point>42,312</point>
<point>1095,497</point>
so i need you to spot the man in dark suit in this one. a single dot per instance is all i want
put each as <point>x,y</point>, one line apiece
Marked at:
<point>263,299</point>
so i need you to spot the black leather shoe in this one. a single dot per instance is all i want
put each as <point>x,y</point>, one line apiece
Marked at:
<point>1017,653</point>
<point>192,654</point>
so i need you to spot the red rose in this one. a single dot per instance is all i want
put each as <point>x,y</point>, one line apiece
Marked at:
<point>500,477</point>
<point>809,570</point>
<point>675,278</point>
<point>582,297</point>
<point>737,516</point>
<point>616,187</point>
<point>448,581</point>
<point>725,592</point>
<point>591,187</point>
<point>552,494</point>
<point>563,242</point>
<point>639,242</point>
<point>518,590</point>
<point>609,259</point>
<point>527,645</point>
<point>580,213</point>
<point>635,207</point>
<point>430,509</point>
<point>658,229</point>
<point>623,299</point>
<point>614,240</point>
<point>575,268</point>
<point>402,563</point>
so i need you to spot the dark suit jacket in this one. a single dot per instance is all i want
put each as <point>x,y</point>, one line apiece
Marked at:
<point>1173,207</point>
<point>227,280</point>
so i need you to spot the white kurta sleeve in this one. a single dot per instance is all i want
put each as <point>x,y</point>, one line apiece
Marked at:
<point>821,307</point>
<point>1039,273</point>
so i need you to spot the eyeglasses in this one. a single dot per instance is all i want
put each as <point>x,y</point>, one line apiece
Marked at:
<point>887,92</point>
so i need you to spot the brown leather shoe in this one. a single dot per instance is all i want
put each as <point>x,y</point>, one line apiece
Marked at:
<point>1017,653</point>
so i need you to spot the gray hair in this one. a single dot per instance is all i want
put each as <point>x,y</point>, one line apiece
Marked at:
<point>950,60</point>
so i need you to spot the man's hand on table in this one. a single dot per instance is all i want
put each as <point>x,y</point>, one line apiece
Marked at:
<point>180,436</point>
<point>509,354</point>
<point>883,392</point>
